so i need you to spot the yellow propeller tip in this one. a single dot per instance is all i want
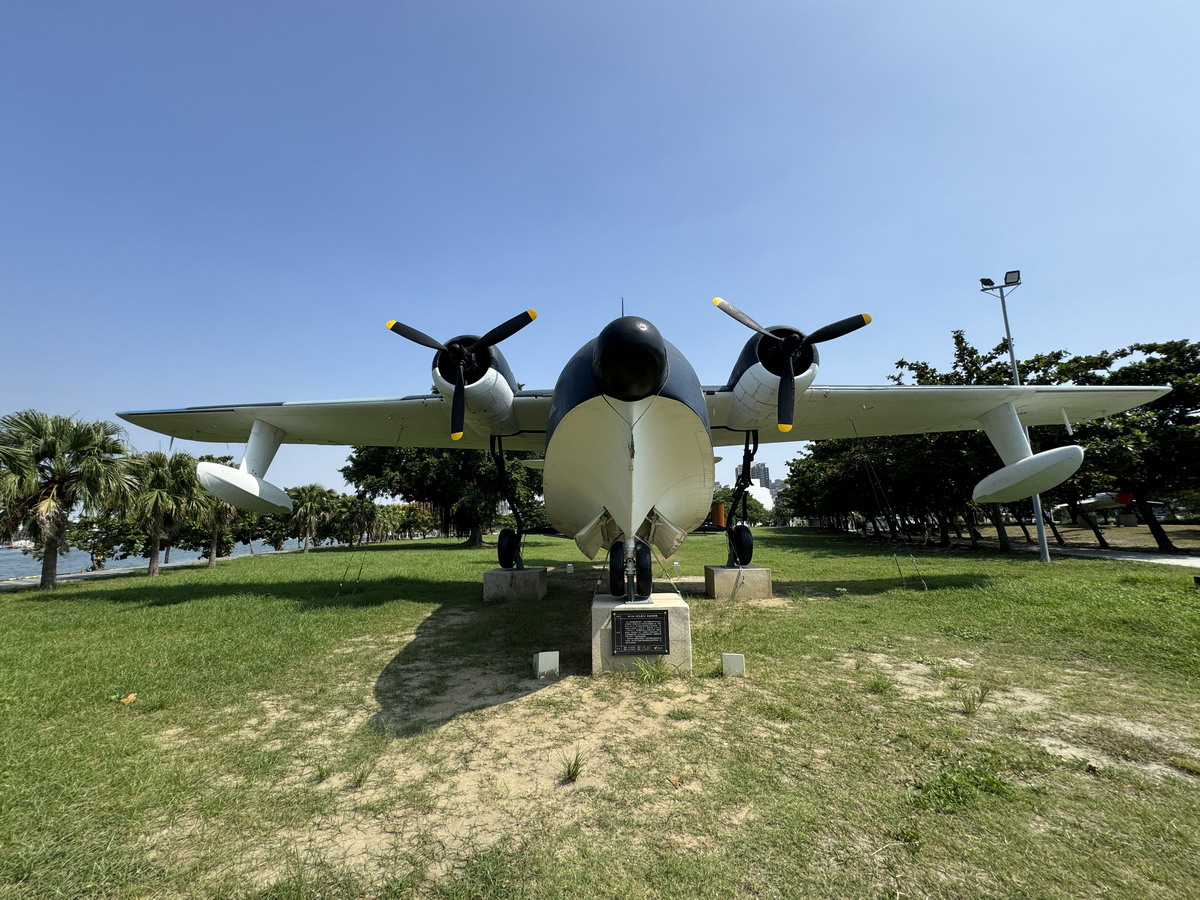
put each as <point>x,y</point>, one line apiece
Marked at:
<point>717,301</point>
<point>456,436</point>
<point>390,324</point>
<point>785,428</point>
<point>532,313</point>
<point>867,318</point>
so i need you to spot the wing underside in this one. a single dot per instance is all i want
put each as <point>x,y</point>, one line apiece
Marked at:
<point>824,412</point>
<point>418,421</point>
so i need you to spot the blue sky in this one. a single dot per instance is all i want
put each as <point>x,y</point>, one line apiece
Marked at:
<point>225,202</point>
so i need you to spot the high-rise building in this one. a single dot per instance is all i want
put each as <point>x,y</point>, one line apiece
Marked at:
<point>760,472</point>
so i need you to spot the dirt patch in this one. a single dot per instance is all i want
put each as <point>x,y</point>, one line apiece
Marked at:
<point>440,758</point>
<point>487,776</point>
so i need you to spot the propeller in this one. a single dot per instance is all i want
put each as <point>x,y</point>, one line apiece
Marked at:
<point>463,356</point>
<point>789,347</point>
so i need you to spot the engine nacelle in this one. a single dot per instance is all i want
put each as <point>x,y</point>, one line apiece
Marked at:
<point>756,395</point>
<point>488,401</point>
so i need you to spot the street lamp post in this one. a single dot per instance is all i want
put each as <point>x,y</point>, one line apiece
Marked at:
<point>1012,280</point>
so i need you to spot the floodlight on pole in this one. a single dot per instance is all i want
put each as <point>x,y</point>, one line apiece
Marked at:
<point>1012,279</point>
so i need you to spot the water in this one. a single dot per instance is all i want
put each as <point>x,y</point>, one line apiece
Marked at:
<point>15,564</point>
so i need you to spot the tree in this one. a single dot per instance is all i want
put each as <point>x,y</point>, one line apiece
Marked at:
<point>462,485</point>
<point>218,517</point>
<point>353,518</point>
<point>312,505</point>
<point>1151,451</point>
<point>755,512</point>
<point>905,478</point>
<point>51,464</point>
<point>165,493</point>
<point>105,536</point>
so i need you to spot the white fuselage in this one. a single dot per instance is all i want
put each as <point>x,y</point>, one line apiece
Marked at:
<point>617,469</point>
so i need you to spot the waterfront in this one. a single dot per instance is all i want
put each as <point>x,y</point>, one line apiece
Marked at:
<point>16,564</point>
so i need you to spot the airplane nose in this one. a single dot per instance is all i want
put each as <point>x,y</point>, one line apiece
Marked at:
<point>629,361</point>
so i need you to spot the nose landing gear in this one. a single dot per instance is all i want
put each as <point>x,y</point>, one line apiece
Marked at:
<point>630,575</point>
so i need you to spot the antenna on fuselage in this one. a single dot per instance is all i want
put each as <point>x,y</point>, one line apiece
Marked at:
<point>622,307</point>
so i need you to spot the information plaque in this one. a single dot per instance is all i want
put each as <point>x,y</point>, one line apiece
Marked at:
<point>641,633</point>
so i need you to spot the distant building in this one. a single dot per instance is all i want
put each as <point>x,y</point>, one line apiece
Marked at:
<point>759,472</point>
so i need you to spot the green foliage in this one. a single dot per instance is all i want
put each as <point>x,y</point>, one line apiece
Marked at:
<point>1149,451</point>
<point>48,466</point>
<point>105,537</point>
<point>165,493</point>
<point>312,507</point>
<point>755,512</point>
<point>462,486</point>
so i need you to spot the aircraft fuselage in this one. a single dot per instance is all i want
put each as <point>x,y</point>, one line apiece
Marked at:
<point>628,447</point>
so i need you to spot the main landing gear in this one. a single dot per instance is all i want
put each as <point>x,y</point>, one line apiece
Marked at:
<point>508,545</point>
<point>741,541</point>
<point>630,575</point>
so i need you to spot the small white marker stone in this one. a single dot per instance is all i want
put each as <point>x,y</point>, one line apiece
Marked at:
<point>545,664</point>
<point>733,665</point>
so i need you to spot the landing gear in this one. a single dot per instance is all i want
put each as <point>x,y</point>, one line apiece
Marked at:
<point>741,546</point>
<point>508,548</point>
<point>741,541</point>
<point>508,545</point>
<point>645,572</point>
<point>633,582</point>
<point>616,569</point>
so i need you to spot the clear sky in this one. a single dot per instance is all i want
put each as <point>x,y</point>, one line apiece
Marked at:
<point>224,202</point>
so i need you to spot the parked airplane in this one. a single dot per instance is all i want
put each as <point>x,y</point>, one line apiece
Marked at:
<point>628,430</point>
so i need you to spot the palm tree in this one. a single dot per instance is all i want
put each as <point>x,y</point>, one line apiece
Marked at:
<point>218,518</point>
<point>51,464</point>
<point>165,492</point>
<point>312,504</point>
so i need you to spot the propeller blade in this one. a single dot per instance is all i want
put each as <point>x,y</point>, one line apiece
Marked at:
<point>837,329</point>
<point>504,331</point>
<point>730,310</point>
<point>787,397</point>
<point>458,406</point>
<point>417,337</point>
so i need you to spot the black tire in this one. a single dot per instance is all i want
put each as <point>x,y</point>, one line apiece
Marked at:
<point>741,543</point>
<point>506,548</point>
<point>616,569</point>
<point>645,570</point>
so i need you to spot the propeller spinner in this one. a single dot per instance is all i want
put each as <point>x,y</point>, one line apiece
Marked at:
<point>463,357</point>
<point>789,347</point>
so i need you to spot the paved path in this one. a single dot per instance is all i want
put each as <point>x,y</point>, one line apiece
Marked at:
<point>31,581</point>
<point>1148,556</point>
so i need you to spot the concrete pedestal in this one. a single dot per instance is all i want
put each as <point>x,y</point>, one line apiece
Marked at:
<point>679,623</point>
<point>746,583</point>
<point>514,584</point>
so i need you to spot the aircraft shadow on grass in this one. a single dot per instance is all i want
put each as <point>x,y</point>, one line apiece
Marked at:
<point>467,655</point>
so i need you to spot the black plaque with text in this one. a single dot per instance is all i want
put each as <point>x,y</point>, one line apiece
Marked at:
<point>641,633</point>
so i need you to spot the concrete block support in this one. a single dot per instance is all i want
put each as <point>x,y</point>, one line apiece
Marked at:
<point>545,664</point>
<point>679,623</point>
<point>514,584</point>
<point>746,583</point>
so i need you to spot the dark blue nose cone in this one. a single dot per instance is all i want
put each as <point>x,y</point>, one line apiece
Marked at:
<point>629,361</point>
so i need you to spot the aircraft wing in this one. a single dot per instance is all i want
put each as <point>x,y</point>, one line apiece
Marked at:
<point>416,421</point>
<point>821,412</point>
<point>824,412</point>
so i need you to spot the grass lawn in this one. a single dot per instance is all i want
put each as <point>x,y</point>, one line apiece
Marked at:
<point>915,723</point>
